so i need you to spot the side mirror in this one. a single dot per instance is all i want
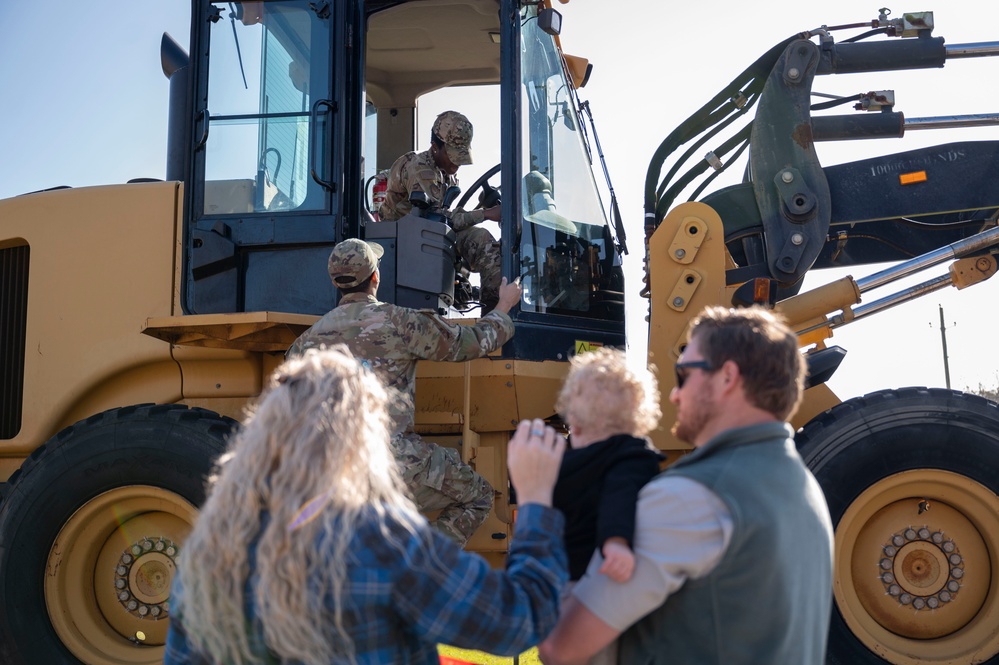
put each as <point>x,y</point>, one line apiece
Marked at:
<point>550,21</point>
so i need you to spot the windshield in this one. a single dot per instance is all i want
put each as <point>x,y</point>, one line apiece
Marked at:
<point>568,262</point>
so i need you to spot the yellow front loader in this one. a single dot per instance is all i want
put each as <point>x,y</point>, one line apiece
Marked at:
<point>137,320</point>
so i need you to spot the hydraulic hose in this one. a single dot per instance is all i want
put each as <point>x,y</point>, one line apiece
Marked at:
<point>749,83</point>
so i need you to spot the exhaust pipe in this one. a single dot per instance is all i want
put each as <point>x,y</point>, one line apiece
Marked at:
<point>176,67</point>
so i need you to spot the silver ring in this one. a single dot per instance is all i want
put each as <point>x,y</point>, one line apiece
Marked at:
<point>537,432</point>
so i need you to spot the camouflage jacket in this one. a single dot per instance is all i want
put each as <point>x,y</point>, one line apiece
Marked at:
<point>391,339</point>
<point>417,172</point>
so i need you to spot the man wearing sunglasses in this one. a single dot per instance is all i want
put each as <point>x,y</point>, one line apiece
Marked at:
<point>733,543</point>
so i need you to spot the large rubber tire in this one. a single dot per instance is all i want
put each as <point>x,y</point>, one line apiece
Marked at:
<point>911,477</point>
<point>91,523</point>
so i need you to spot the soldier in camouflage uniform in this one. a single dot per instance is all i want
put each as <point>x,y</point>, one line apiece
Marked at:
<point>433,171</point>
<point>391,339</point>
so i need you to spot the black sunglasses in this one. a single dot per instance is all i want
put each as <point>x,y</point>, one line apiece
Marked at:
<point>683,370</point>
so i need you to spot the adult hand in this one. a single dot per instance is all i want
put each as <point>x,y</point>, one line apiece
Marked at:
<point>619,562</point>
<point>492,214</point>
<point>509,295</point>
<point>533,456</point>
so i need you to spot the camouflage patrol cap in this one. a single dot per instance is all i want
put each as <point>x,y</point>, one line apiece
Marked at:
<point>455,131</point>
<point>353,261</point>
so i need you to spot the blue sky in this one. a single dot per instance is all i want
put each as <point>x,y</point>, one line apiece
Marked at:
<point>84,103</point>
<point>84,99</point>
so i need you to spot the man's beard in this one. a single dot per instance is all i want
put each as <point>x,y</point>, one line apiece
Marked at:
<point>688,426</point>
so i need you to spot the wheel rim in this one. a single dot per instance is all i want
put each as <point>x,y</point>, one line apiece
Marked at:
<point>914,573</point>
<point>108,574</point>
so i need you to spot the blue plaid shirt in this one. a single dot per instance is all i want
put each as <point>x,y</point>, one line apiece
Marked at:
<point>403,601</point>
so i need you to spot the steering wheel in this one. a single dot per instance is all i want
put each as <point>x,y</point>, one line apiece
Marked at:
<point>482,182</point>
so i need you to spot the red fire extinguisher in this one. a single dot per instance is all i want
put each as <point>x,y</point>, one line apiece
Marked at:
<point>378,192</point>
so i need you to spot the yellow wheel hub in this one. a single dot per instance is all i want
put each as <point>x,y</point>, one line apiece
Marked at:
<point>914,575</point>
<point>108,575</point>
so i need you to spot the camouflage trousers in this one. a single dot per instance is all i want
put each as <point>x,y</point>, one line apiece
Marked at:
<point>438,480</point>
<point>477,246</point>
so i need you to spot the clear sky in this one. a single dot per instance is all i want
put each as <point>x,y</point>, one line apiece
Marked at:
<point>84,103</point>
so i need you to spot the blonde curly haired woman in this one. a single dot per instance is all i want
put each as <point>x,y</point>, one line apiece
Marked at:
<point>309,550</point>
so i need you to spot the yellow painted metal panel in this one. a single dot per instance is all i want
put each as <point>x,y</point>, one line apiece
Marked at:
<point>102,262</point>
<point>248,331</point>
<point>8,466</point>
<point>501,393</point>
<point>816,400</point>
<point>676,298</point>
<point>490,461</point>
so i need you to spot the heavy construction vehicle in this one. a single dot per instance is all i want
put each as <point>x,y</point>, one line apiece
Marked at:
<point>118,386</point>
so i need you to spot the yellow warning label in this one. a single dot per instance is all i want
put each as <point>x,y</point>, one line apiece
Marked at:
<point>583,347</point>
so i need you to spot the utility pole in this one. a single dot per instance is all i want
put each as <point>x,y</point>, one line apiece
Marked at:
<point>943,338</point>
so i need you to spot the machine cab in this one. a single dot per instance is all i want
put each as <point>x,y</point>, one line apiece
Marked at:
<point>295,106</point>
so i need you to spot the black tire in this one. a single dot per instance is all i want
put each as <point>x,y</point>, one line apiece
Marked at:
<point>69,517</point>
<point>911,478</point>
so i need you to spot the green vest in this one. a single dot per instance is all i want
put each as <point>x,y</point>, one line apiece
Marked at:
<point>770,597</point>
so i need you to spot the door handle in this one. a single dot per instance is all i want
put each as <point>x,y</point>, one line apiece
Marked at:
<point>313,132</point>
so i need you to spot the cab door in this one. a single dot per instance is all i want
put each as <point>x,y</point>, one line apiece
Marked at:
<point>263,194</point>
